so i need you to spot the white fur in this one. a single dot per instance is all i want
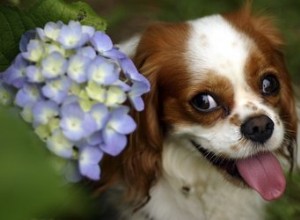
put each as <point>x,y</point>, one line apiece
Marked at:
<point>216,46</point>
<point>213,45</point>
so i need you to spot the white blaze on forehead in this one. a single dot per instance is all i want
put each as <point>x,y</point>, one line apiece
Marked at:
<point>215,45</point>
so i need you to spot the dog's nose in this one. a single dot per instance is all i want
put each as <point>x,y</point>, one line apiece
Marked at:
<point>258,129</point>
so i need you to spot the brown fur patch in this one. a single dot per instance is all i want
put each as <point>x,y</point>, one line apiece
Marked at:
<point>251,106</point>
<point>235,120</point>
<point>177,108</point>
<point>235,148</point>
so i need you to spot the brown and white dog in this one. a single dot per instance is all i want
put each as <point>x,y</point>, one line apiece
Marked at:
<point>219,118</point>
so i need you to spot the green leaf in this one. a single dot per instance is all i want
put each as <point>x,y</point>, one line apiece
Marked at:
<point>14,22</point>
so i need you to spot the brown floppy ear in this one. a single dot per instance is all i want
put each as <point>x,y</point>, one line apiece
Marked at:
<point>142,158</point>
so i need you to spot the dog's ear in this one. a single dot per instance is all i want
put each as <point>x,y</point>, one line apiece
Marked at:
<point>142,158</point>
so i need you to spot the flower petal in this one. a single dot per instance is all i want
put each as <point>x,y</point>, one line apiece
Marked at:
<point>53,65</point>
<point>121,122</point>
<point>95,139</point>
<point>114,143</point>
<point>26,113</point>
<point>28,95</point>
<point>75,123</point>
<point>101,42</point>
<point>103,71</point>
<point>137,102</point>
<point>52,30</point>
<point>100,114</point>
<point>15,74</point>
<point>87,52</point>
<point>43,111</point>
<point>71,35</point>
<point>115,54</point>
<point>89,159</point>
<point>92,171</point>
<point>60,145</point>
<point>71,121</point>
<point>90,155</point>
<point>26,37</point>
<point>77,67</point>
<point>34,74</point>
<point>96,92</point>
<point>88,30</point>
<point>35,51</point>
<point>115,96</point>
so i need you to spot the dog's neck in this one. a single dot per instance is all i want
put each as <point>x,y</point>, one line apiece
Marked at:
<point>190,188</point>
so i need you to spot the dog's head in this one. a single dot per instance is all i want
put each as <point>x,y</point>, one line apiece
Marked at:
<point>219,83</point>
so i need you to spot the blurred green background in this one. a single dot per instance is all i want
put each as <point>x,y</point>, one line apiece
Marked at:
<point>31,186</point>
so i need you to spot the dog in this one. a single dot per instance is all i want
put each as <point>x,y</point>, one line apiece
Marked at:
<point>219,123</point>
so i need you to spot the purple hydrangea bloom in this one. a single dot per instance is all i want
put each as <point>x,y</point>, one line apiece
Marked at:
<point>60,145</point>
<point>89,158</point>
<point>114,134</point>
<point>53,65</point>
<point>115,54</point>
<point>35,51</point>
<point>77,67</point>
<point>99,113</point>
<point>89,30</point>
<point>72,36</point>
<point>101,42</point>
<point>43,111</point>
<point>87,51</point>
<point>95,139</point>
<point>34,74</point>
<point>131,72</point>
<point>51,30</point>
<point>137,90</point>
<point>15,74</point>
<point>75,124</point>
<point>57,89</point>
<point>26,37</point>
<point>72,85</point>
<point>103,71</point>
<point>28,95</point>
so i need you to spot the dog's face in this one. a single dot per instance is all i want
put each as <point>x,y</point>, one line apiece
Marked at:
<point>219,83</point>
<point>233,92</point>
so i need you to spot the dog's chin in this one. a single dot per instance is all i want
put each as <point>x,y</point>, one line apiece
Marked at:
<point>224,165</point>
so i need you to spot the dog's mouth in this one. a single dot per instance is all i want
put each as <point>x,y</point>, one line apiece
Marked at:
<point>261,172</point>
<point>228,165</point>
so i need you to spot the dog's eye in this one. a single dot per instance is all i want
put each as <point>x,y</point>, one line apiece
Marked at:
<point>204,102</point>
<point>269,85</point>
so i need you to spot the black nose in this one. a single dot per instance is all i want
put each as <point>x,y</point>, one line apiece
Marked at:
<point>258,129</point>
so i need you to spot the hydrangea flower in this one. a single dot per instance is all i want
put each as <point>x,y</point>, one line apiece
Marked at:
<point>72,84</point>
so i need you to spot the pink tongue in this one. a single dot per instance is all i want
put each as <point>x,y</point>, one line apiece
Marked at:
<point>264,174</point>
